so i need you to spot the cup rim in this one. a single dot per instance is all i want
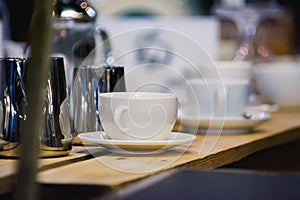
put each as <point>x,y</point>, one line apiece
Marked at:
<point>137,95</point>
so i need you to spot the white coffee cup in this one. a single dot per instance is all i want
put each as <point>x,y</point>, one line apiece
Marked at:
<point>215,97</point>
<point>138,115</point>
<point>227,70</point>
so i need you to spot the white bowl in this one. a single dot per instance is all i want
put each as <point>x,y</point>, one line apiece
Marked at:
<point>279,82</point>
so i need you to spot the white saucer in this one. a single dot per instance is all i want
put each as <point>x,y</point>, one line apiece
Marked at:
<point>229,125</point>
<point>270,108</point>
<point>136,146</point>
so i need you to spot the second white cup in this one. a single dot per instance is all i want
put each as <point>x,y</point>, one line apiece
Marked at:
<point>214,97</point>
<point>227,70</point>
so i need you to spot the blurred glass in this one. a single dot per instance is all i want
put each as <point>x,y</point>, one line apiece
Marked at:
<point>247,15</point>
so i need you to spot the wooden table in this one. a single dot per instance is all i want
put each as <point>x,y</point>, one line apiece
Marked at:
<point>105,169</point>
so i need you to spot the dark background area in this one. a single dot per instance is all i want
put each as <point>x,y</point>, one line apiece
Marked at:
<point>20,14</point>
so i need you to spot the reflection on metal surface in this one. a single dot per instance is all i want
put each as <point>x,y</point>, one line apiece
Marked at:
<point>89,82</point>
<point>12,99</point>
<point>55,133</point>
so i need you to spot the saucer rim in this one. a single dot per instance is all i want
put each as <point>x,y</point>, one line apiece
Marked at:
<point>230,124</point>
<point>266,116</point>
<point>166,142</point>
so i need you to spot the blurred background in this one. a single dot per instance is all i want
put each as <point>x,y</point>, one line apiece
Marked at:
<point>281,35</point>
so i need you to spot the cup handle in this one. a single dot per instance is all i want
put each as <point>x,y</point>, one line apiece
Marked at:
<point>221,98</point>
<point>117,117</point>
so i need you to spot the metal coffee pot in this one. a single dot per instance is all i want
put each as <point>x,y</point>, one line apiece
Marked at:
<point>77,38</point>
<point>75,34</point>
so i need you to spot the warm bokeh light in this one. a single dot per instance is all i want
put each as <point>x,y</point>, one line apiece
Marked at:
<point>263,51</point>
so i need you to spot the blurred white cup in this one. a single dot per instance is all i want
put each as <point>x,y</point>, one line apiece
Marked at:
<point>227,70</point>
<point>279,82</point>
<point>213,97</point>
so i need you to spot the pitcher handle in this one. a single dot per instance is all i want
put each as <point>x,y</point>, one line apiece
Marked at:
<point>107,53</point>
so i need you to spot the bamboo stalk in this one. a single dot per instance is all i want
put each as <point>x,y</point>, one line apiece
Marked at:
<point>37,73</point>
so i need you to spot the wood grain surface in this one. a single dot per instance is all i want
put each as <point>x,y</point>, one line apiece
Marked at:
<point>207,152</point>
<point>93,165</point>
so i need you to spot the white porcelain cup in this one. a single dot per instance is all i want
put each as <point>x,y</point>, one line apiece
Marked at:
<point>279,82</point>
<point>138,115</point>
<point>213,97</point>
<point>227,70</point>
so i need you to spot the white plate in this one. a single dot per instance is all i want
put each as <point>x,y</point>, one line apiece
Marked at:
<point>226,125</point>
<point>136,146</point>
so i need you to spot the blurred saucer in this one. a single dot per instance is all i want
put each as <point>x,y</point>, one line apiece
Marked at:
<point>136,146</point>
<point>226,125</point>
<point>270,108</point>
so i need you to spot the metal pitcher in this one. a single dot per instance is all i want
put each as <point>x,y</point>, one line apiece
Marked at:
<point>12,103</point>
<point>55,133</point>
<point>89,82</point>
